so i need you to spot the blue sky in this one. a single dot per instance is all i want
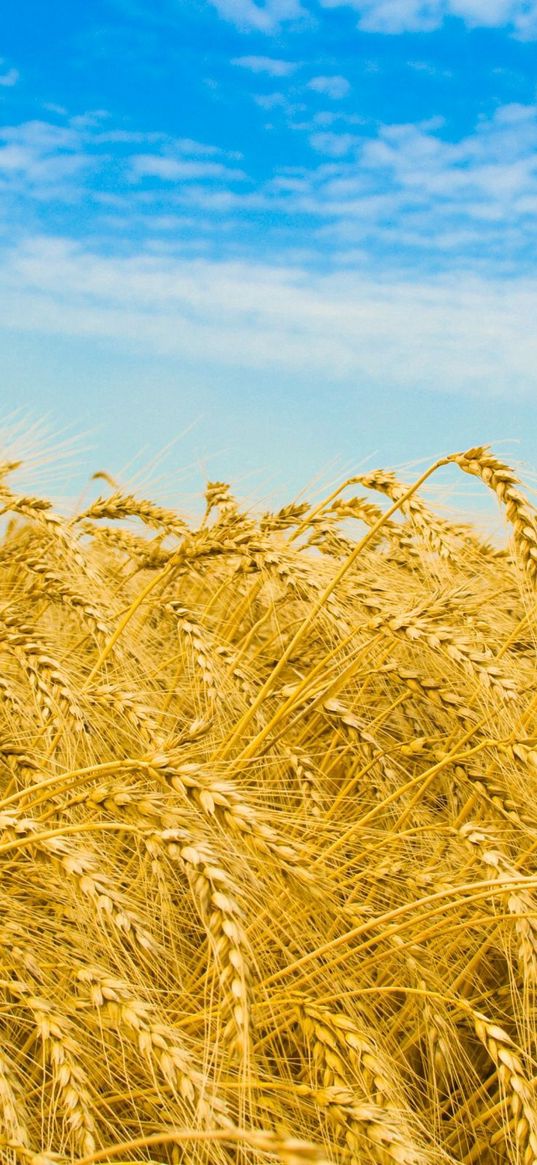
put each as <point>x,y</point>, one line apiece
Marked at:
<point>298,237</point>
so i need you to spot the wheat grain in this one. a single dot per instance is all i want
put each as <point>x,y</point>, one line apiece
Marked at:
<point>268,831</point>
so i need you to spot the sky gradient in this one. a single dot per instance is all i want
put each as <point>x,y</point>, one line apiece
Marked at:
<point>297,237</point>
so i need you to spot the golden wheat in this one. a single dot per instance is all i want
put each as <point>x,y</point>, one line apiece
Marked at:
<point>268,830</point>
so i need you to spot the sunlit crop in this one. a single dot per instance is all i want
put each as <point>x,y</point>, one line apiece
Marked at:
<point>268,830</point>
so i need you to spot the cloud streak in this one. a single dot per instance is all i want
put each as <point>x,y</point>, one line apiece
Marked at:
<point>41,159</point>
<point>170,169</point>
<point>271,66</point>
<point>455,333</point>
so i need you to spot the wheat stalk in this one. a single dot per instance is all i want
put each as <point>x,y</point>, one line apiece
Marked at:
<point>268,831</point>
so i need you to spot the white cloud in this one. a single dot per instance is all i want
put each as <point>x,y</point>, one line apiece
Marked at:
<point>410,189</point>
<point>407,194</point>
<point>40,158</point>
<point>91,120</point>
<point>188,146</point>
<point>119,137</point>
<point>489,167</point>
<point>50,162</point>
<point>393,16</point>
<point>271,100</point>
<point>334,145</point>
<point>171,169</point>
<point>459,334</point>
<point>9,78</point>
<point>42,136</point>
<point>397,16</point>
<point>388,16</point>
<point>334,87</point>
<point>123,137</point>
<point>269,65</point>
<point>248,15</point>
<point>526,23</point>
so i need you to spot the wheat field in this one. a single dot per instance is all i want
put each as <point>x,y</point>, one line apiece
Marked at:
<point>268,830</point>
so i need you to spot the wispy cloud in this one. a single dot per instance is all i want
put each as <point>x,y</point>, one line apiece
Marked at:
<point>171,169</point>
<point>270,188</point>
<point>395,195</point>
<point>335,87</point>
<point>334,145</point>
<point>397,16</point>
<point>41,158</point>
<point>271,101</point>
<point>272,66</point>
<point>9,77</point>
<point>456,333</point>
<point>249,15</point>
<point>410,189</point>
<point>53,163</point>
